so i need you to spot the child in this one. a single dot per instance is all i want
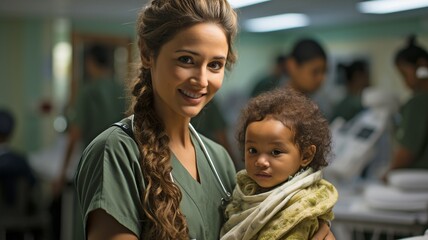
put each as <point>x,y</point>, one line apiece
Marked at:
<point>281,193</point>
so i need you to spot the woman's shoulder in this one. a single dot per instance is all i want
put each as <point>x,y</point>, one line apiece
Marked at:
<point>114,142</point>
<point>418,98</point>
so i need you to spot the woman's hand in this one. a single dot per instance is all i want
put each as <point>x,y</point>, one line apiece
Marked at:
<point>324,232</point>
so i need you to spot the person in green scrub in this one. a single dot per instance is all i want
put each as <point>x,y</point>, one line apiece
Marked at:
<point>154,177</point>
<point>306,67</point>
<point>100,102</point>
<point>412,132</point>
<point>356,80</point>
<point>273,80</point>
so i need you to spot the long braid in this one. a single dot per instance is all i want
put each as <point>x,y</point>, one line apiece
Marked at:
<point>161,199</point>
<point>157,24</point>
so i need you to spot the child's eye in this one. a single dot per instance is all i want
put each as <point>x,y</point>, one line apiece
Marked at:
<point>216,65</point>
<point>185,59</point>
<point>252,151</point>
<point>276,152</point>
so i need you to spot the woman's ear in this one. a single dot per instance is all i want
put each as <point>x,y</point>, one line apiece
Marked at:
<point>422,69</point>
<point>146,57</point>
<point>146,61</point>
<point>308,155</point>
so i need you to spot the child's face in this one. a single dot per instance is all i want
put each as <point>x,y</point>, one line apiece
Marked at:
<point>270,153</point>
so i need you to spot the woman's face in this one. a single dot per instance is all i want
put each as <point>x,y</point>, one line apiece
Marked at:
<point>408,72</point>
<point>271,155</point>
<point>189,70</point>
<point>307,77</point>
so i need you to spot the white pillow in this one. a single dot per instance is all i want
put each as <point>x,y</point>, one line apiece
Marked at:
<point>409,179</point>
<point>391,198</point>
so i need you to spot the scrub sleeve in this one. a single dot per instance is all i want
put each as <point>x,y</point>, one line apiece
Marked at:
<point>413,128</point>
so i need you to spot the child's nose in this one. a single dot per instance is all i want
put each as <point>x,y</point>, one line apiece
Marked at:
<point>262,161</point>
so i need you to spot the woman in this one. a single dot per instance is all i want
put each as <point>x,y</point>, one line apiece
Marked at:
<point>170,182</point>
<point>412,132</point>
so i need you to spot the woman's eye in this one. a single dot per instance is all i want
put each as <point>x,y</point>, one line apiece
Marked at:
<point>185,59</point>
<point>216,65</point>
<point>276,152</point>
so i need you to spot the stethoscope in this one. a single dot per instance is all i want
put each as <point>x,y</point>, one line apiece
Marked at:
<point>224,200</point>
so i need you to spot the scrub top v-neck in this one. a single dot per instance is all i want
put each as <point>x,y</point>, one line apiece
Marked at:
<point>201,200</point>
<point>109,177</point>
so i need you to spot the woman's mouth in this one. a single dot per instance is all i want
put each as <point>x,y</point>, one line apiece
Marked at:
<point>190,94</point>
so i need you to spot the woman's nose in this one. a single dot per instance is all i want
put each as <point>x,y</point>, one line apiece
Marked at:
<point>201,77</point>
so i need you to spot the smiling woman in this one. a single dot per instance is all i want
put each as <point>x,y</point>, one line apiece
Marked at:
<point>168,182</point>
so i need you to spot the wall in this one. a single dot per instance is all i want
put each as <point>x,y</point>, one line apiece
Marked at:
<point>26,60</point>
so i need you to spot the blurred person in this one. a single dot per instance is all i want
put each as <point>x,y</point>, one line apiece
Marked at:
<point>14,168</point>
<point>412,133</point>
<point>307,67</point>
<point>13,165</point>
<point>154,176</point>
<point>211,123</point>
<point>285,142</point>
<point>100,103</point>
<point>274,79</point>
<point>356,80</point>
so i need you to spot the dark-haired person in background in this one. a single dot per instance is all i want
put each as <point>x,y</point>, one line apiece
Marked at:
<point>14,168</point>
<point>100,103</point>
<point>307,68</point>
<point>273,79</point>
<point>356,79</point>
<point>412,134</point>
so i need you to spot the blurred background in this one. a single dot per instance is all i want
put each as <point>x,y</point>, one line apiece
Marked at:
<point>42,46</point>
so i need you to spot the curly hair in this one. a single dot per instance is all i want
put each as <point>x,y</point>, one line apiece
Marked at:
<point>157,24</point>
<point>295,111</point>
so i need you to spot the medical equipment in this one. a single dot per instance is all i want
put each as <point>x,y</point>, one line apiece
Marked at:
<point>365,139</point>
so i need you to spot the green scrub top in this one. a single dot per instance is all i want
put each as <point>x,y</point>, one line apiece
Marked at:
<point>99,104</point>
<point>265,84</point>
<point>109,178</point>
<point>412,132</point>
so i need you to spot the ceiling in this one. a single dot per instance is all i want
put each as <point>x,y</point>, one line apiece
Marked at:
<point>320,12</point>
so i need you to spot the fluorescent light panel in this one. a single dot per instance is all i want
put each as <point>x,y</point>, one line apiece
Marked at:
<point>390,6</point>
<point>277,22</point>
<point>243,3</point>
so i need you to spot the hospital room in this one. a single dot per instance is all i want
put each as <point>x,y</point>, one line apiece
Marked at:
<point>144,119</point>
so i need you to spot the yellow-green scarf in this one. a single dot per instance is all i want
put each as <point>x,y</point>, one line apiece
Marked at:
<point>289,211</point>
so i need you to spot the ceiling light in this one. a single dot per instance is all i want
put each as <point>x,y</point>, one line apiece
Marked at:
<point>243,3</point>
<point>389,6</point>
<point>277,22</point>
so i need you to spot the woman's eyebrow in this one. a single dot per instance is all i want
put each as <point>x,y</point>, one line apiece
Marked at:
<point>197,54</point>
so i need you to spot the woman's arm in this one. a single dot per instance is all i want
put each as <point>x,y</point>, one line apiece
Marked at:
<point>102,226</point>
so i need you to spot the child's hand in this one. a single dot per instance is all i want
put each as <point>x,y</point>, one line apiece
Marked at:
<point>324,232</point>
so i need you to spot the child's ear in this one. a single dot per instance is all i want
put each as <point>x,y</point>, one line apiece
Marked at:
<point>308,155</point>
